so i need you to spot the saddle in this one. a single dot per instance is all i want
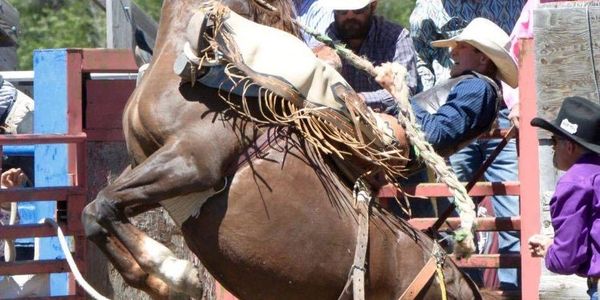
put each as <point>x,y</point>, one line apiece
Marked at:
<point>230,53</point>
<point>294,88</point>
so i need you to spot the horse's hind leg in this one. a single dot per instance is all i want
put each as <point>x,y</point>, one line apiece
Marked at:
<point>165,174</point>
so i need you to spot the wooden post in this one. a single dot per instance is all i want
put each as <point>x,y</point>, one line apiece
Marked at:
<point>123,17</point>
<point>51,164</point>
<point>528,173</point>
<point>567,56</point>
<point>564,44</point>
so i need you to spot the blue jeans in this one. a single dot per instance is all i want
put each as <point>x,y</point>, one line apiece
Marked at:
<point>593,292</point>
<point>504,168</point>
<point>592,289</point>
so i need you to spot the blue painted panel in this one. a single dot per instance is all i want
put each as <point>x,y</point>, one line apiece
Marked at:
<point>51,161</point>
<point>18,150</point>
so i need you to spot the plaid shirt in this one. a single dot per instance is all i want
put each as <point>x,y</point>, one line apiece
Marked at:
<point>313,14</point>
<point>385,42</point>
<point>433,20</point>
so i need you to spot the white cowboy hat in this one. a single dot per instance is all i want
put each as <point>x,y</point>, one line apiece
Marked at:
<point>490,39</point>
<point>346,4</point>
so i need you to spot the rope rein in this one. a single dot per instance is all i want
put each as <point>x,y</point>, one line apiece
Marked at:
<point>464,204</point>
<point>71,262</point>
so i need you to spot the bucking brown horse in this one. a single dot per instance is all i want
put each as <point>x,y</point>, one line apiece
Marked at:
<point>282,224</point>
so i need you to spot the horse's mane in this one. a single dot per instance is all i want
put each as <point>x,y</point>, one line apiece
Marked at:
<point>278,14</point>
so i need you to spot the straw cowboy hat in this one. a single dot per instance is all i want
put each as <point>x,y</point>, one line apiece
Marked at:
<point>347,4</point>
<point>490,39</point>
<point>578,120</point>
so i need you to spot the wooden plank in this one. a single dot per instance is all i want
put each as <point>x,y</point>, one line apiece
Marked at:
<point>564,65</point>
<point>34,267</point>
<point>106,135</point>
<point>34,139</point>
<point>122,18</point>
<point>441,190</point>
<point>55,83</point>
<point>570,287</point>
<point>75,205</point>
<point>33,230</point>
<point>26,230</point>
<point>69,297</point>
<point>489,261</point>
<point>39,194</point>
<point>9,24</point>
<point>119,30</point>
<point>107,60</point>
<point>102,113</point>
<point>483,224</point>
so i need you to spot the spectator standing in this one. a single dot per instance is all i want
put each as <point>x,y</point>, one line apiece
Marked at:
<point>378,40</point>
<point>575,205</point>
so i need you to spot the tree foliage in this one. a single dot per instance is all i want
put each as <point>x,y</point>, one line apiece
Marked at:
<point>47,24</point>
<point>396,10</point>
<point>151,7</point>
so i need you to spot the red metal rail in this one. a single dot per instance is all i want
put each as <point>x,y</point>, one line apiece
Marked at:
<point>441,190</point>
<point>529,221</point>
<point>483,224</point>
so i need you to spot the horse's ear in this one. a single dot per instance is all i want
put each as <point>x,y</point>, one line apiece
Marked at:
<point>278,14</point>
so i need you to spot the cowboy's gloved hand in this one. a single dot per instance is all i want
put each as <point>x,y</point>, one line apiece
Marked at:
<point>392,77</point>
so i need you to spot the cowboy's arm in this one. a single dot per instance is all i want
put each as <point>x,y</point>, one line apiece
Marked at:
<point>571,219</point>
<point>470,106</point>
<point>405,55</point>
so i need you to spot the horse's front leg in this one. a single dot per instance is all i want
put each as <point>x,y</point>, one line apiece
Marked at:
<point>120,257</point>
<point>171,171</point>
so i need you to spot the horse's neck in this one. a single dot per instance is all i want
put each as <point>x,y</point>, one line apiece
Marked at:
<point>174,19</point>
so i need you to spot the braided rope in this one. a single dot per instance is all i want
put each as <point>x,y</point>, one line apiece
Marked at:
<point>464,204</point>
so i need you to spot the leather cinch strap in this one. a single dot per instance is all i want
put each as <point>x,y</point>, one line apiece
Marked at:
<point>362,196</point>
<point>419,282</point>
<point>433,265</point>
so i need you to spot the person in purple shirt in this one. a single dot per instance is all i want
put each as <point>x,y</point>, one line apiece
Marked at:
<point>575,205</point>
